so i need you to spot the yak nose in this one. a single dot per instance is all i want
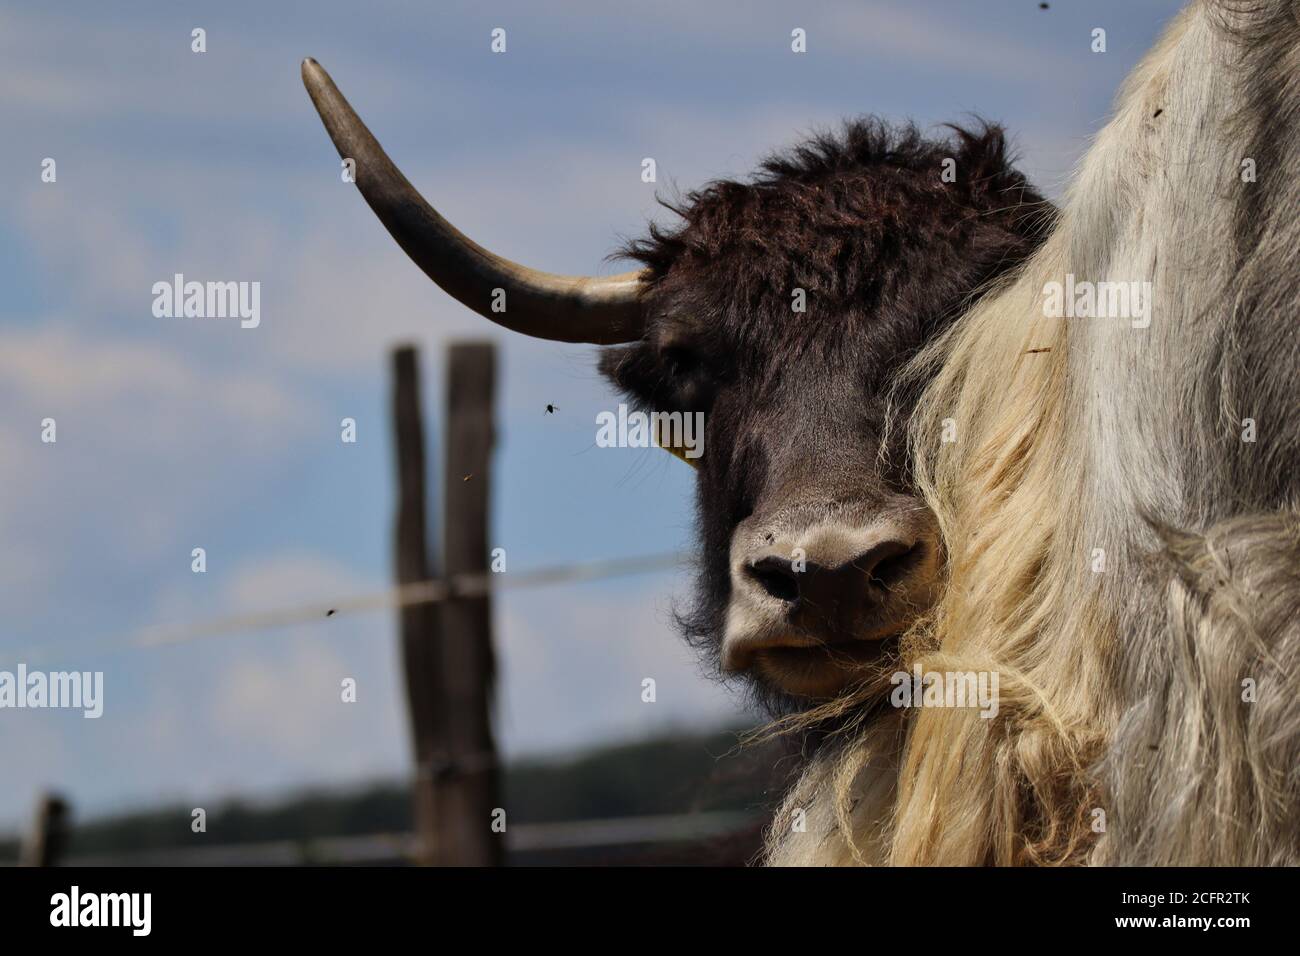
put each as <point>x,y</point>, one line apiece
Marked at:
<point>798,580</point>
<point>811,605</point>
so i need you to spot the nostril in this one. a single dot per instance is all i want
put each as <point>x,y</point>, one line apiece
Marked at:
<point>890,562</point>
<point>777,577</point>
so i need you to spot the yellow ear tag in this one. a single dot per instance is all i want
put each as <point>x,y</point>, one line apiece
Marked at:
<point>664,440</point>
<point>680,453</point>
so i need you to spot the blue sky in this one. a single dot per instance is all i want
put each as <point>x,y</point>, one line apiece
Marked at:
<point>181,433</point>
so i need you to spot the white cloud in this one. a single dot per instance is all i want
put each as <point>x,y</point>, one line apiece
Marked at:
<point>136,427</point>
<point>290,579</point>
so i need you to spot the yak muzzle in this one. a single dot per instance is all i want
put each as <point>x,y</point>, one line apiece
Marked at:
<point>815,605</point>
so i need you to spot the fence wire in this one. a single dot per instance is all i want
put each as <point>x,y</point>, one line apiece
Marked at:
<point>432,591</point>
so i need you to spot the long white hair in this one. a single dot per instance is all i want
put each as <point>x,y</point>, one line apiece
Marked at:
<point>1118,500</point>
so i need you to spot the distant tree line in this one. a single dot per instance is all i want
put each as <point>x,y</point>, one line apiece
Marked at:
<point>675,773</point>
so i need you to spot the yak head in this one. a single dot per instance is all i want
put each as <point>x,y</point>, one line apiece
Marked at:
<point>783,309</point>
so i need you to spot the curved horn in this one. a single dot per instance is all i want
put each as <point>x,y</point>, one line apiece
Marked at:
<point>599,310</point>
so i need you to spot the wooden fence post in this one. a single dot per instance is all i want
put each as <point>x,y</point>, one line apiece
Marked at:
<point>469,790</point>
<point>421,655</point>
<point>48,836</point>
<point>447,648</point>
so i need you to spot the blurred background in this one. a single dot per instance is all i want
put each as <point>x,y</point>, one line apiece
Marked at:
<point>175,434</point>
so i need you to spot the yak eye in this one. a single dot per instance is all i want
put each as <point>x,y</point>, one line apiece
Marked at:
<point>679,361</point>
